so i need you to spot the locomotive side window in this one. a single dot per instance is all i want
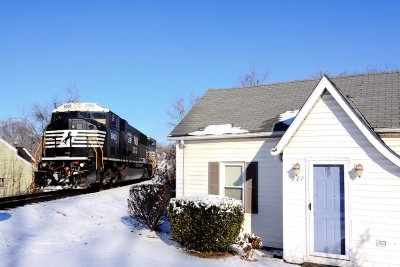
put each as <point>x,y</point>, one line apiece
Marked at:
<point>114,121</point>
<point>98,116</point>
<point>122,123</point>
<point>85,115</point>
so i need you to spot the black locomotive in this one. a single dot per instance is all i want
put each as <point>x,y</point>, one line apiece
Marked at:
<point>86,144</point>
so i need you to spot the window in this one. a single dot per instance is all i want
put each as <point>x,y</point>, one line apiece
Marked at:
<point>2,182</point>
<point>64,115</point>
<point>114,121</point>
<point>85,115</point>
<point>233,180</point>
<point>98,115</point>
<point>237,180</point>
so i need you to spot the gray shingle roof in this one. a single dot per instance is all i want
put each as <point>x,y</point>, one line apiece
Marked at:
<point>257,108</point>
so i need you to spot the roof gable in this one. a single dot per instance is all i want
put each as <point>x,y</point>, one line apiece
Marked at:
<point>326,85</point>
<point>15,151</point>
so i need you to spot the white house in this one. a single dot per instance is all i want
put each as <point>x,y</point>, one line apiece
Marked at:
<point>16,170</point>
<point>324,186</point>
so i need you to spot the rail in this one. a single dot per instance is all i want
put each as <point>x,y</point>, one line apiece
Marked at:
<point>22,200</point>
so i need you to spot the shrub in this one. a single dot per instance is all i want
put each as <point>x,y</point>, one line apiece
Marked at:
<point>167,166</point>
<point>205,223</point>
<point>148,201</point>
<point>248,243</point>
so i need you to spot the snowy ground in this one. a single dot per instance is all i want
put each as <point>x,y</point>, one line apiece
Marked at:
<point>93,230</point>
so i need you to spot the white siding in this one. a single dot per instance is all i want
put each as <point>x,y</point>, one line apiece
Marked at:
<point>16,171</point>
<point>374,199</point>
<point>268,222</point>
<point>393,143</point>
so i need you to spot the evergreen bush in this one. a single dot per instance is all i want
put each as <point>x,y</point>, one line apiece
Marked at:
<point>205,223</point>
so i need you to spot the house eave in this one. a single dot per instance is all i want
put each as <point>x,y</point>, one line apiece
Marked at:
<point>227,136</point>
<point>387,131</point>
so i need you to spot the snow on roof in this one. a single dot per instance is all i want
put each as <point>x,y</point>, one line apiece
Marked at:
<point>219,129</point>
<point>288,116</point>
<point>94,107</point>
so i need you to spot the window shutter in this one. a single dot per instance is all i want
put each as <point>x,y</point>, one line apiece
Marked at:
<point>213,178</point>
<point>251,187</point>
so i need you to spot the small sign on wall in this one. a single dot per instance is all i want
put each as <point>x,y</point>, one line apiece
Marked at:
<point>381,243</point>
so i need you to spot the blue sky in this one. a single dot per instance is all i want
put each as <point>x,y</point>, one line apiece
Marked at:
<point>135,57</point>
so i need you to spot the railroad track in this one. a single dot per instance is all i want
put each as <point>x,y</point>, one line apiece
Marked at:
<point>22,200</point>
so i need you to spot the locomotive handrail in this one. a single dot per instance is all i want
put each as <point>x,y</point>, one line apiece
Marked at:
<point>102,153</point>
<point>39,148</point>
<point>95,150</point>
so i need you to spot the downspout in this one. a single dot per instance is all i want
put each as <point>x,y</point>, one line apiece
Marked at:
<point>182,146</point>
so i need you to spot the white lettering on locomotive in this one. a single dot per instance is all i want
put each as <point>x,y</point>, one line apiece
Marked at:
<point>129,138</point>
<point>114,137</point>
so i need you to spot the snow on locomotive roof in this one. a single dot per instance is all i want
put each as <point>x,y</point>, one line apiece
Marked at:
<point>94,107</point>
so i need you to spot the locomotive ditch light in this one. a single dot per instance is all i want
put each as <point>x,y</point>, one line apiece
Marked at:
<point>44,164</point>
<point>82,164</point>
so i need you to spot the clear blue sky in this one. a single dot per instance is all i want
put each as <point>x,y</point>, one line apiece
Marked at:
<point>135,57</point>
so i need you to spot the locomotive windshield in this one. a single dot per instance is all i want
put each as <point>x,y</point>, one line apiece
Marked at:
<point>98,116</point>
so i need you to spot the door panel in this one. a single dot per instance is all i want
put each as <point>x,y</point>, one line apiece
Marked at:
<point>329,213</point>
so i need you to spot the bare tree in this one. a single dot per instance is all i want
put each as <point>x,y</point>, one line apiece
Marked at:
<point>320,73</point>
<point>193,99</point>
<point>179,109</point>
<point>21,132</point>
<point>27,130</point>
<point>177,113</point>
<point>167,164</point>
<point>369,69</point>
<point>72,94</point>
<point>253,78</point>
<point>41,115</point>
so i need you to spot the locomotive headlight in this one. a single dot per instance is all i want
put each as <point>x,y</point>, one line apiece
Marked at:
<point>82,164</point>
<point>44,164</point>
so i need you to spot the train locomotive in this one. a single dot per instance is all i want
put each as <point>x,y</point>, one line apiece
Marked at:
<point>86,144</point>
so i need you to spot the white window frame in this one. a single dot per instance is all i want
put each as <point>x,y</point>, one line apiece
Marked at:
<point>222,177</point>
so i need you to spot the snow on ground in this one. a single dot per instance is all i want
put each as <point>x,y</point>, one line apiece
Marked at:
<point>219,129</point>
<point>94,230</point>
